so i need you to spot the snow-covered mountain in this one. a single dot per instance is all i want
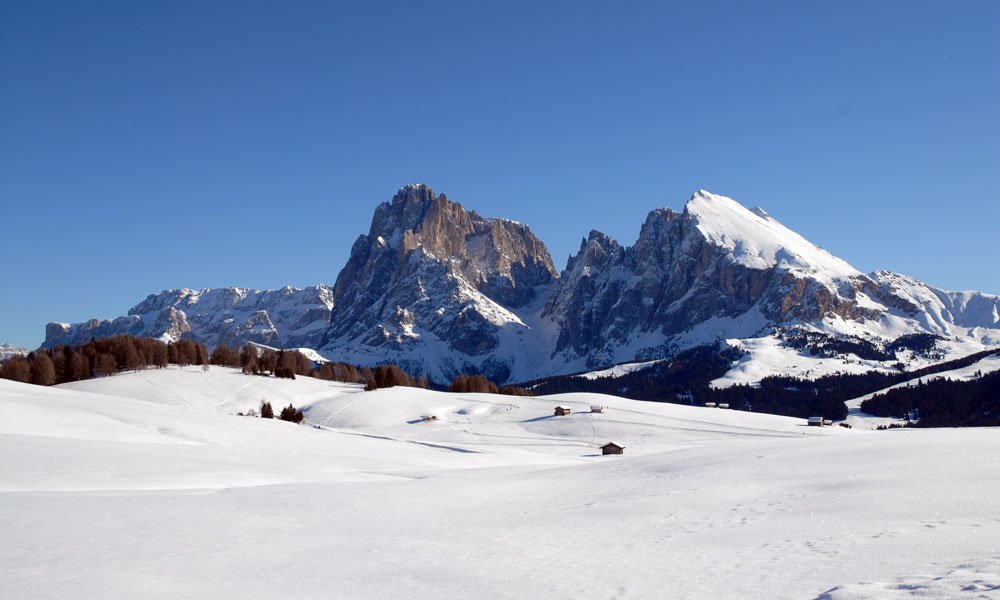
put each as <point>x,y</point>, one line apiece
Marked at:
<point>718,270</point>
<point>288,317</point>
<point>438,289</point>
<point>9,350</point>
<point>442,290</point>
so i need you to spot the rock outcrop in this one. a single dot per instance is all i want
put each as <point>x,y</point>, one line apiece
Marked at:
<point>432,281</point>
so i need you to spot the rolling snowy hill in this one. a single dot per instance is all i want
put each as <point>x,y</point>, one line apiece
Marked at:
<point>146,483</point>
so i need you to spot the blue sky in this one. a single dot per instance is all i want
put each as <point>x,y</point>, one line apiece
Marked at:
<point>151,145</point>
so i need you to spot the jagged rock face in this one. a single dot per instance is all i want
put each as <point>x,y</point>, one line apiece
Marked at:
<point>429,269</point>
<point>715,262</point>
<point>500,258</point>
<point>289,317</point>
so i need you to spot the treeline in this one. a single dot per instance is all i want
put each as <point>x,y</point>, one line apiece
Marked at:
<point>391,375</point>
<point>943,402</point>
<point>100,358</point>
<point>776,396</point>
<point>821,344</point>
<point>259,360</point>
<point>479,384</point>
<point>685,379</point>
<point>673,380</point>
<point>107,356</point>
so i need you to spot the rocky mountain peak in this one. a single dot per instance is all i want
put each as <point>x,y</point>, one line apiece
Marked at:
<point>499,257</point>
<point>429,272</point>
<point>755,239</point>
<point>415,193</point>
<point>441,290</point>
<point>597,250</point>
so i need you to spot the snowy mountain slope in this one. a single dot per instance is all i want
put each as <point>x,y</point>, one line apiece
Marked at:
<point>441,290</point>
<point>9,350</point>
<point>863,420</point>
<point>287,317</point>
<point>935,310</point>
<point>705,502</point>
<point>756,240</point>
<point>719,271</point>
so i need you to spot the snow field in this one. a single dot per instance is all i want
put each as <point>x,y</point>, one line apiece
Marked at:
<point>164,493</point>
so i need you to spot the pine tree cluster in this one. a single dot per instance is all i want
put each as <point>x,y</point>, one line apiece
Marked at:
<point>943,402</point>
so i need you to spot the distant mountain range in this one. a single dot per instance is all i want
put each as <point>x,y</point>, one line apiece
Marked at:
<point>8,350</point>
<point>442,290</point>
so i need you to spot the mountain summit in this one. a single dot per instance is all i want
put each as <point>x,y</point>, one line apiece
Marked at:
<point>756,240</point>
<point>434,283</point>
<point>442,290</point>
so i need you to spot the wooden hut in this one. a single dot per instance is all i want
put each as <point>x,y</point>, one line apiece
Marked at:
<point>612,448</point>
<point>815,421</point>
<point>562,411</point>
<point>596,408</point>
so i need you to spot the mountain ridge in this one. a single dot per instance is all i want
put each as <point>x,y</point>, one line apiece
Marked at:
<point>442,290</point>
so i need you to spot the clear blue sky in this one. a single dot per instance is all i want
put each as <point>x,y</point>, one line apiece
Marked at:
<point>149,145</point>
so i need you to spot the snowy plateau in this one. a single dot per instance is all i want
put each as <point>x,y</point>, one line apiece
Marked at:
<point>441,290</point>
<point>148,484</point>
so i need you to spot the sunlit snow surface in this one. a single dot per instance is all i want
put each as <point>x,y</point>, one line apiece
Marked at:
<point>758,241</point>
<point>146,485</point>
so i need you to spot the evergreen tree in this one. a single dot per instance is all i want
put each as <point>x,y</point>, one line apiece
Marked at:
<point>289,413</point>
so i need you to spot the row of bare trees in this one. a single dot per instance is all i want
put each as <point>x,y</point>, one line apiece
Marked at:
<point>479,384</point>
<point>260,360</point>
<point>100,358</point>
<point>107,356</point>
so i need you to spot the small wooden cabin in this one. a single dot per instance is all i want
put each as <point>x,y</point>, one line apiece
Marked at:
<point>612,448</point>
<point>710,405</point>
<point>723,405</point>
<point>562,411</point>
<point>815,421</point>
<point>596,408</point>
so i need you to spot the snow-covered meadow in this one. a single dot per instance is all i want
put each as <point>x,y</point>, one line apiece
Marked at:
<point>147,485</point>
